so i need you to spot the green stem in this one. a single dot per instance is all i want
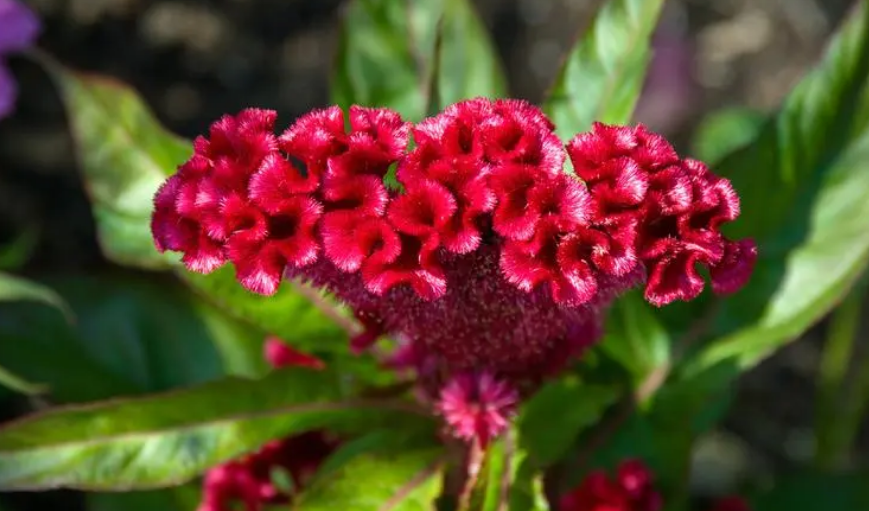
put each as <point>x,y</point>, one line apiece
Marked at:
<point>856,407</point>
<point>12,381</point>
<point>831,428</point>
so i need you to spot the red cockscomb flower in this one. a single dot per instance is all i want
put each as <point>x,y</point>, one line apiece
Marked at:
<point>490,259</point>
<point>670,209</point>
<point>630,490</point>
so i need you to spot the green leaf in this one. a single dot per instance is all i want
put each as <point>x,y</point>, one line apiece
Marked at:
<point>724,131</point>
<point>635,338</point>
<point>17,252</point>
<point>289,314</point>
<point>604,73</point>
<point>815,491</point>
<point>408,480</point>
<point>168,439</point>
<point>777,175</point>
<point>414,56</point>
<point>554,417</point>
<point>14,382</point>
<point>16,289</point>
<point>124,155</point>
<point>133,334</point>
<point>802,186</point>
<point>467,65</point>
<point>385,53</point>
<point>815,275</point>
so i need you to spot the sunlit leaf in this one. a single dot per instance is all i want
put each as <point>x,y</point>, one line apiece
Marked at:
<point>167,439</point>
<point>408,480</point>
<point>604,73</point>
<point>124,155</point>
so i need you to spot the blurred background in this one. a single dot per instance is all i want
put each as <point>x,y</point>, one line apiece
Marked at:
<point>194,60</point>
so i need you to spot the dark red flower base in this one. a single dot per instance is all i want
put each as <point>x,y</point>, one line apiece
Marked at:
<point>475,249</point>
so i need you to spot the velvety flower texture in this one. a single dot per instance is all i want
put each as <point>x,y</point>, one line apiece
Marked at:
<point>475,248</point>
<point>631,489</point>
<point>248,481</point>
<point>18,29</point>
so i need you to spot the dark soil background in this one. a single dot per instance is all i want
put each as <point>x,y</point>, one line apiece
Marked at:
<point>195,60</point>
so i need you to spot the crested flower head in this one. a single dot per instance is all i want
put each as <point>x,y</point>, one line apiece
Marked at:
<point>18,30</point>
<point>630,490</point>
<point>475,248</point>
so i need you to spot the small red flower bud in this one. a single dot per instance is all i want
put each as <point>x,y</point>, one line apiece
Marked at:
<point>631,490</point>
<point>280,354</point>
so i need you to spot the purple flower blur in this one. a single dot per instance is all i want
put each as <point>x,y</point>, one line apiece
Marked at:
<point>18,29</point>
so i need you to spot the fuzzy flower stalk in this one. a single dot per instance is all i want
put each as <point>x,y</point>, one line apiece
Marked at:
<point>488,261</point>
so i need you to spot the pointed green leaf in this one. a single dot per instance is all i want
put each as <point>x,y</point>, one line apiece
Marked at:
<point>777,173</point>
<point>408,480</point>
<point>604,73</point>
<point>17,289</point>
<point>414,56</point>
<point>812,220</point>
<point>554,417</point>
<point>385,55</point>
<point>467,65</point>
<point>799,183</point>
<point>124,155</point>
<point>724,131</point>
<point>167,439</point>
